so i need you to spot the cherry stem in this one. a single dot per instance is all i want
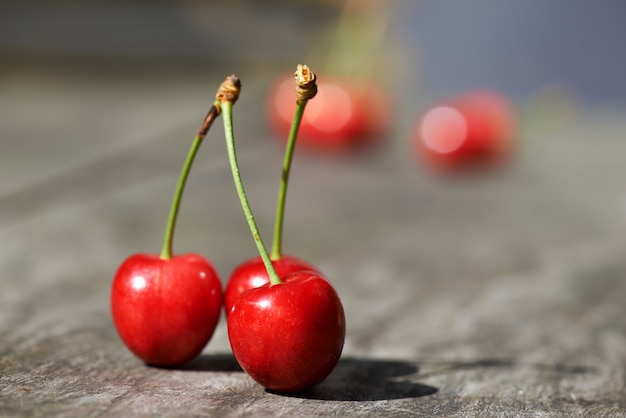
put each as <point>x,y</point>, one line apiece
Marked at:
<point>361,31</point>
<point>166,251</point>
<point>227,107</point>
<point>306,89</point>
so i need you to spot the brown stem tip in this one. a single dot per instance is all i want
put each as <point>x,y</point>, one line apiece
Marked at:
<point>214,112</point>
<point>306,87</point>
<point>229,90</point>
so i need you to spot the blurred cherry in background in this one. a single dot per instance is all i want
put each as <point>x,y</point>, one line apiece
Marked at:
<point>476,130</point>
<point>352,109</point>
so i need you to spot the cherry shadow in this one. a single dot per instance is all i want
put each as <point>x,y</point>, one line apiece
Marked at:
<point>446,367</point>
<point>222,362</point>
<point>356,379</point>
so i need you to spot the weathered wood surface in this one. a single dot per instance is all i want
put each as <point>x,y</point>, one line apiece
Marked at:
<point>493,296</point>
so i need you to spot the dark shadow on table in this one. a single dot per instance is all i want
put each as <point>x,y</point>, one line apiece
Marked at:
<point>222,362</point>
<point>356,379</point>
<point>444,367</point>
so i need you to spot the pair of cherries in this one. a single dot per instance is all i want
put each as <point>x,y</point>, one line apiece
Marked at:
<point>286,323</point>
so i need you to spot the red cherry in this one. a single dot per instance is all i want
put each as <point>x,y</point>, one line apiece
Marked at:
<point>474,130</point>
<point>345,114</point>
<point>288,336</point>
<point>252,273</point>
<point>166,310</point>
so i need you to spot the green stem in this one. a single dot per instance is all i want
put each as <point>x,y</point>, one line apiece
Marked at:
<point>227,108</point>
<point>277,245</point>
<point>166,250</point>
<point>361,31</point>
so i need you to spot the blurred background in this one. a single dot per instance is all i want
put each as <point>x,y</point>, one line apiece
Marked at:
<point>568,51</point>
<point>520,47</point>
<point>96,96</point>
<point>79,57</point>
<point>516,47</point>
<point>87,86</point>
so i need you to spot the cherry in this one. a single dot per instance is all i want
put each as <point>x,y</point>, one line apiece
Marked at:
<point>165,308</point>
<point>288,334</point>
<point>342,118</point>
<point>252,273</point>
<point>474,130</point>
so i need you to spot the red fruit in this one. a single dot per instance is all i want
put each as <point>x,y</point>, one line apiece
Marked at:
<point>166,311</point>
<point>475,130</point>
<point>252,273</point>
<point>343,115</point>
<point>288,336</point>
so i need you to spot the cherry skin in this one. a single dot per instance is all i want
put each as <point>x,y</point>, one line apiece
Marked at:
<point>252,273</point>
<point>288,336</point>
<point>474,130</point>
<point>345,114</point>
<point>166,310</point>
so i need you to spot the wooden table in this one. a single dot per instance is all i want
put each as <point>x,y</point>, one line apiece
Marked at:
<point>497,295</point>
